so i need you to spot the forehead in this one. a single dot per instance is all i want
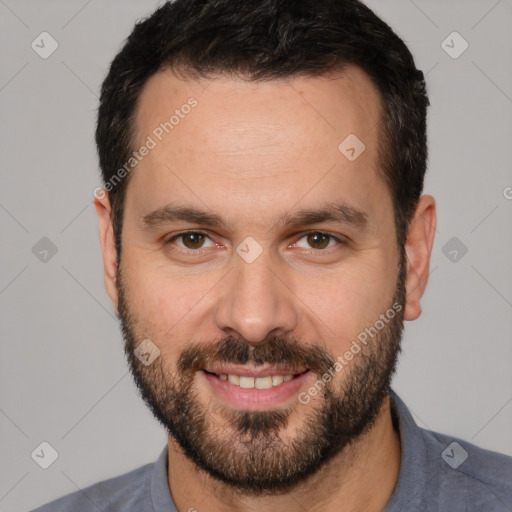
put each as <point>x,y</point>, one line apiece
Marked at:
<point>276,142</point>
<point>337,104</point>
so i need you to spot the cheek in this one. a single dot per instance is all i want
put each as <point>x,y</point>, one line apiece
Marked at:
<point>348,301</point>
<point>165,305</point>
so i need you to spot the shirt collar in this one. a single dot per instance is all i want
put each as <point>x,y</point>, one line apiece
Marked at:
<point>161,499</point>
<point>412,479</point>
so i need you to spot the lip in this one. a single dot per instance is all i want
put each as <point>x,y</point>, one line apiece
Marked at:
<point>253,398</point>
<point>253,371</point>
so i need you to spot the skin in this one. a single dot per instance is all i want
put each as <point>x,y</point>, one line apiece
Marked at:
<point>250,152</point>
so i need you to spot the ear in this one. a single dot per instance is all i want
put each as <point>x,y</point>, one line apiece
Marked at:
<point>418,248</point>
<point>108,246</point>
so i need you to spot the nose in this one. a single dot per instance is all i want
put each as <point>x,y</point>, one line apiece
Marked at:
<point>256,302</point>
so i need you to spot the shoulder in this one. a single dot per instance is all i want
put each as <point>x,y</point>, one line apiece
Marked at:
<point>443,472</point>
<point>484,477</point>
<point>121,493</point>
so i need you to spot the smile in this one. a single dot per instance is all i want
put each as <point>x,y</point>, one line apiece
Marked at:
<point>266,389</point>
<point>249,382</point>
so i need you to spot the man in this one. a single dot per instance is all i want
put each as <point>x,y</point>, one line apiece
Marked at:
<point>264,237</point>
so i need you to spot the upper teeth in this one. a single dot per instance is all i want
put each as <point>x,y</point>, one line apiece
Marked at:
<point>259,382</point>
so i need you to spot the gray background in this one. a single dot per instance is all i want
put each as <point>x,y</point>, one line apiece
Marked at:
<point>64,379</point>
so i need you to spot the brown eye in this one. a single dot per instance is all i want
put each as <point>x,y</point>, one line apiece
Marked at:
<point>318,240</point>
<point>193,240</point>
<point>190,240</point>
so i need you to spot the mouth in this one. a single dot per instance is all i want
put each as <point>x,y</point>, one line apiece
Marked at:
<point>267,381</point>
<point>252,389</point>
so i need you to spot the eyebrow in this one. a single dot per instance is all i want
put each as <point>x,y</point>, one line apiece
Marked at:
<point>339,212</point>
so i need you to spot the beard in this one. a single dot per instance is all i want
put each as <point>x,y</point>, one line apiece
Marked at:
<point>247,449</point>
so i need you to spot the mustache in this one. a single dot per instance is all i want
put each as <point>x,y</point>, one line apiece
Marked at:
<point>275,350</point>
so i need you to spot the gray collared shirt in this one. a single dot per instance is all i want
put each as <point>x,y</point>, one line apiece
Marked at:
<point>437,473</point>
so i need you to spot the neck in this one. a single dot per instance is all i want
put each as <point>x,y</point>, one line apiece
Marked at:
<point>360,478</point>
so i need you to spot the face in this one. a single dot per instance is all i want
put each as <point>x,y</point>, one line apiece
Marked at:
<point>256,257</point>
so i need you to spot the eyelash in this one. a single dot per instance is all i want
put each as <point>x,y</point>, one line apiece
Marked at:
<point>200,251</point>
